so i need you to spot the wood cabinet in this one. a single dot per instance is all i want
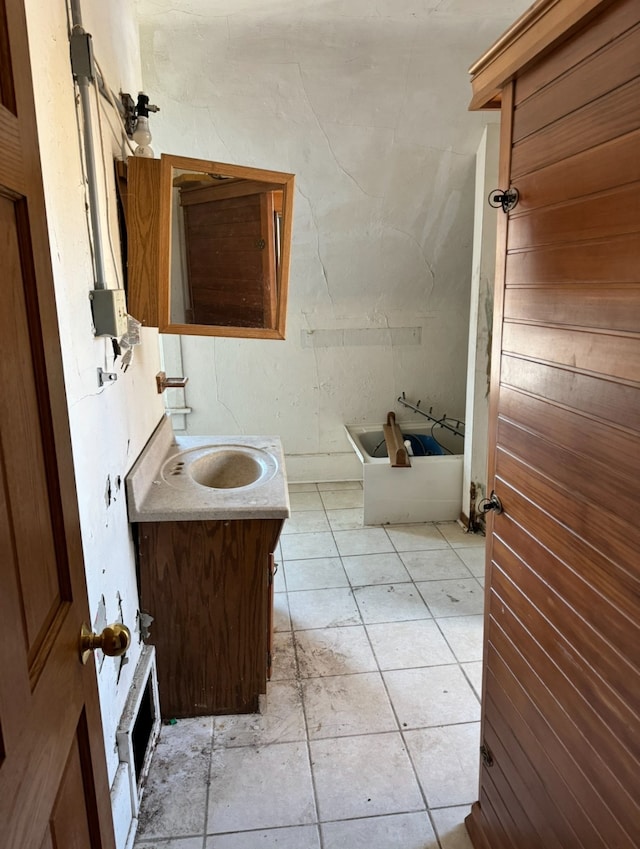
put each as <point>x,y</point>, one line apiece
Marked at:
<point>208,586</point>
<point>561,690</point>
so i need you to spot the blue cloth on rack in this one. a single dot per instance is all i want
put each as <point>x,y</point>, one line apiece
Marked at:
<point>423,446</point>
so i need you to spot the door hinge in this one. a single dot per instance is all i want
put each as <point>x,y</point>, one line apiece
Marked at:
<point>486,755</point>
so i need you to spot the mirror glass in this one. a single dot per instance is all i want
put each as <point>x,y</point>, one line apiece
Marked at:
<point>226,249</point>
<point>209,247</point>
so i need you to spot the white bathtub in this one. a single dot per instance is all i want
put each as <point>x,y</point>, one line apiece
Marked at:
<point>430,491</point>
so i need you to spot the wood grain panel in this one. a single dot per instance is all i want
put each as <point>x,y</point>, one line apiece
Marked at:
<point>596,707</point>
<point>546,583</point>
<point>11,166</point>
<point>26,477</point>
<point>612,260</point>
<point>558,771</point>
<point>564,746</point>
<point>143,241</point>
<point>211,644</point>
<point>597,169</point>
<point>605,400</point>
<point>509,742</point>
<point>606,214</point>
<point>604,71</point>
<point>593,439</point>
<point>583,518</point>
<point>610,116</point>
<point>514,793</point>
<point>604,352</point>
<point>611,487</point>
<point>603,595</point>
<point>601,308</point>
<point>610,23</point>
<point>518,828</point>
<point>490,799</point>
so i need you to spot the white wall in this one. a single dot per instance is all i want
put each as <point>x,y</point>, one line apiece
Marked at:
<point>109,425</point>
<point>367,105</point>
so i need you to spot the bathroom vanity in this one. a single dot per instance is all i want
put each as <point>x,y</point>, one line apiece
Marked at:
<point>208,512</point>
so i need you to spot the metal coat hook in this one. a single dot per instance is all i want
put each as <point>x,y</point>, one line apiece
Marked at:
<point>505,200</point>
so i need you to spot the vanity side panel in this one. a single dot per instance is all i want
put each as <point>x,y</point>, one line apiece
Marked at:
<point>206,585</point>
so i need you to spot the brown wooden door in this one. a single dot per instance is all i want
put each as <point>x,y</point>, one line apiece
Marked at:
<point>53,781</point>
<point>561,707</point>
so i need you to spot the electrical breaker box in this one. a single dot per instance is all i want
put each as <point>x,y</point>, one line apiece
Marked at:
<point>109,312</point>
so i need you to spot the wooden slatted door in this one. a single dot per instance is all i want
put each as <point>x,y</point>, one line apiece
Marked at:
<point>53,778</point>
<point>561,715</point>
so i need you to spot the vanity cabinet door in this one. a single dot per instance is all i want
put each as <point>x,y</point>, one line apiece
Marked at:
<point>206,586</point>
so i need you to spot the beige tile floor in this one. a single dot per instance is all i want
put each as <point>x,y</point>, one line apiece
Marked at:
<point>371,734</point>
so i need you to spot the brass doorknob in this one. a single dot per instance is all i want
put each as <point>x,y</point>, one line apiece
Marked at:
<point>113,641</point>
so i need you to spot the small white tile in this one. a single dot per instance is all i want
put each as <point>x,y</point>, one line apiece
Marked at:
<point>364,776</point>
<point>420,537</point>
<point>316,573</point>
<point>281,617</point>
<point>480,580</point>
<point>302,487</point>
<point>474,559</point>
<point>363,541</point>
<point>309,500</point>
<point>430,696</point>
<point>473,671</point>
<point>299,546</point>
<point>342,499</point>
<point>458,537</point>
<point>464,635</point>
<point>399,831</point>
<point>346,520</point>
<point>402,645</point>
<point>260,788</point>
<point>306,521</point>
<point>363,569</point>
<point>434,565</point>
<point>447,761</point>
<point>281,722</point>
<point>453,598</point>
<point>449,823</point>
<point>334,651</point>
<point>334,485</point>
<point>390,603</point>
<point>328,608</point>
<point>174,801</point>
<point>344,705</point>
<point>293,837</point>
<point>283,657</point>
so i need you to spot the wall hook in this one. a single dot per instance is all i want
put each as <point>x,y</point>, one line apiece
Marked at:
<point>163,382</point>
<point>506,200</point>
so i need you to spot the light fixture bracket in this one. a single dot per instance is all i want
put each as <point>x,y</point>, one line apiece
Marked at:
<point>133,110</point>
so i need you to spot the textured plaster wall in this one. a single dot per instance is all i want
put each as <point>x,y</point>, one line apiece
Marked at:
<point>366,102</point>
<point>109,425</point>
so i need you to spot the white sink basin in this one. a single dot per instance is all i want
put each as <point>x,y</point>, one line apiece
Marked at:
<point>220,467</point>
<point>183,478</point>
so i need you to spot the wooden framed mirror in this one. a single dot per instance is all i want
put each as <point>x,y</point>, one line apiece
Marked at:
<point>208,247</point>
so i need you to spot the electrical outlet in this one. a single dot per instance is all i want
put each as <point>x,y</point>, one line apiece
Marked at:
<point>109,312</point>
